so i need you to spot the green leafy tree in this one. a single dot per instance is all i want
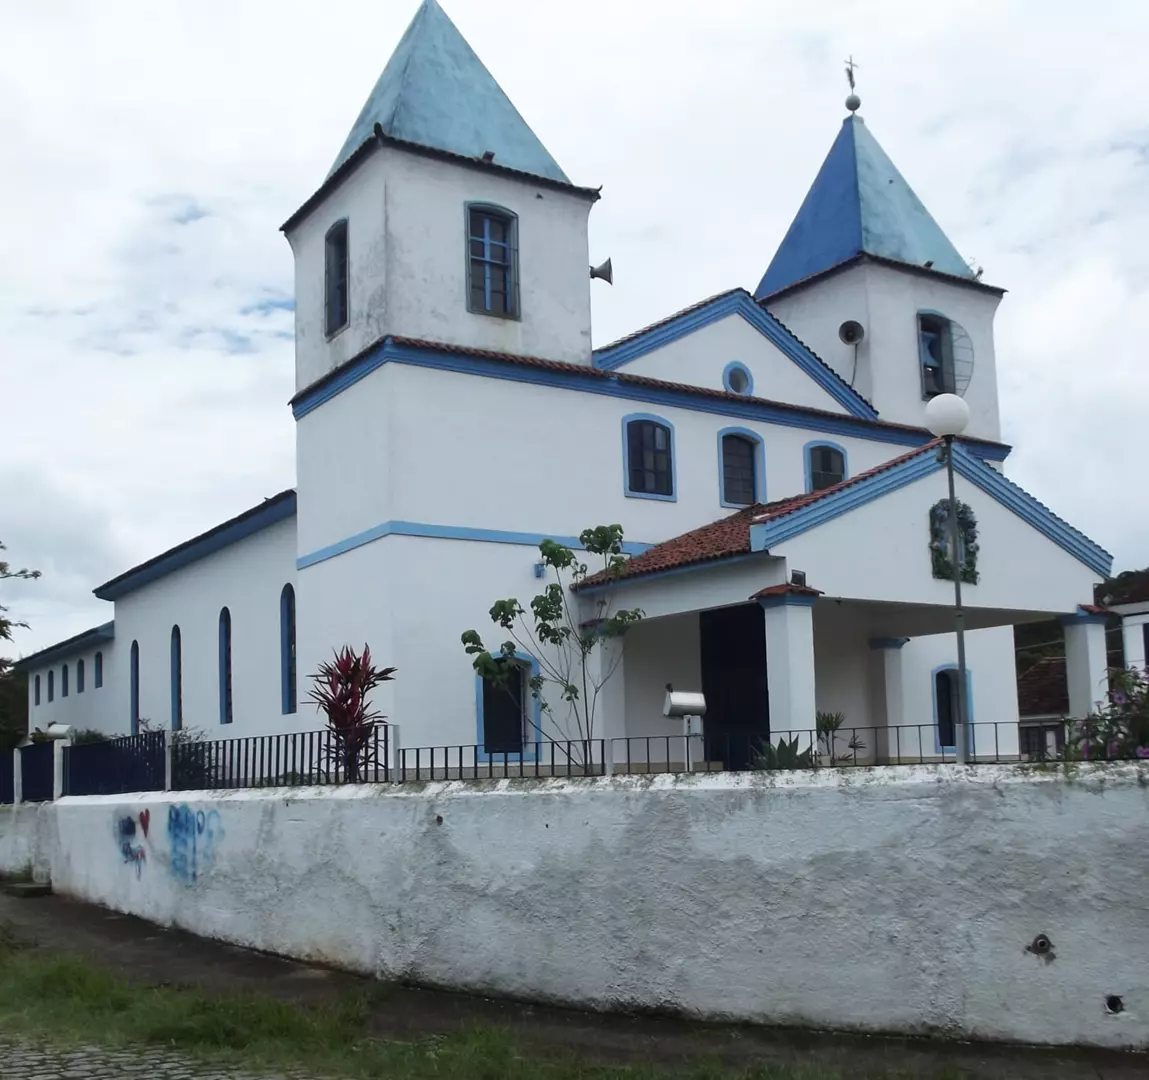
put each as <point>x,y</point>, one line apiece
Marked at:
<point>566,647</point>
<point>13,687</point>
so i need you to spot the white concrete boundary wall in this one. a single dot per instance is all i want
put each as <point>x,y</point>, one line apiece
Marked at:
<point>900,899</point>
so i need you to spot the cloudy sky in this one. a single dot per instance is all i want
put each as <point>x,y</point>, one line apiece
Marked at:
<point>151,150</point>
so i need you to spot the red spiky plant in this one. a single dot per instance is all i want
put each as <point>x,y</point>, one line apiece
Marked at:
<point>340,689</point>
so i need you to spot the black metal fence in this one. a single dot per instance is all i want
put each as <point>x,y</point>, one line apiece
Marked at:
<point>847,747</point>
<point>289,760</point>
<point>37,772</point>
<point>537,760</point>
<point>7,776</point>
<point>135,763</point>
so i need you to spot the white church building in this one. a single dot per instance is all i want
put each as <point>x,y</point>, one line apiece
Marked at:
<point>765,451</point>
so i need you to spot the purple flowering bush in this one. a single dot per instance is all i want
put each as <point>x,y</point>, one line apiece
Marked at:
<point>1119,728</point>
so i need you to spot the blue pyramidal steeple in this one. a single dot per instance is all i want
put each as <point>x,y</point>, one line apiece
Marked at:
<point>436,92</point>
<point>858,204</point>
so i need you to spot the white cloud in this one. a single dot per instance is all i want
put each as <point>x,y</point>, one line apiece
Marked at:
<point>151,153</point>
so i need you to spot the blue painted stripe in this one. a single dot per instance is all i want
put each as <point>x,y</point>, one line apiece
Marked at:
<point>591,383</point>
<point>1033,512</point>
<point>739,303</point>
<point>1083,617</point>
<point>446,532</point>
<point>767,535</point>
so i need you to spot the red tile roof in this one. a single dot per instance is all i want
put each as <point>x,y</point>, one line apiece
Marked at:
<point>731,535</point>
<point>785,590</point>
<point>1043,689</point>
<point>1128,587</point>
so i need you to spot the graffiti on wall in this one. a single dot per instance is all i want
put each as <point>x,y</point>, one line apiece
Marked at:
<point>194,836</point>
<point>131,832</point>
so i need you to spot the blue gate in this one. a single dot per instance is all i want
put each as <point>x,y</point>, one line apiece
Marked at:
<point>135,763</point>
<point>36,772</point>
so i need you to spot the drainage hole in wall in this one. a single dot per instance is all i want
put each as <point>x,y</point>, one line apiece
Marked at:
<point>438,819</point>
<point>1114,1004</point>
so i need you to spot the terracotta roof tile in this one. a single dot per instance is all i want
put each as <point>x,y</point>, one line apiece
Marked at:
<point>731,535</point>
<point>1043,689</point>
<point>786,590</point>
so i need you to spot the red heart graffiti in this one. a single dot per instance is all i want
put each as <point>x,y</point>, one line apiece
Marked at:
<point>145,817</point>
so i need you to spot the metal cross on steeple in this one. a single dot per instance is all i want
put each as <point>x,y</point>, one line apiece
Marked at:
<point>850,68</point>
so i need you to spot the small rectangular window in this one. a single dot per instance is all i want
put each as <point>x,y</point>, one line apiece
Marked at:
<point>649,458</point>
<point>98,674</point>
<point>504,716</point>
<point>827,467</point>
<point>492,262</point>
<point>935,349</point>
<point>337,276</point>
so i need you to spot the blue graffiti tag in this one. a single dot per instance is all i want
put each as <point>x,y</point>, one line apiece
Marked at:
<point>132,853</point>
<point>194,835</point>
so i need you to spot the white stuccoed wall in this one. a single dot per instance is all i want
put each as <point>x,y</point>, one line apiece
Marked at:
<point>898,900</point>
<point>93,710</point>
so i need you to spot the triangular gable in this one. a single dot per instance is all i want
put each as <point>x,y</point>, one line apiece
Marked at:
<point>776,528</point>
<point>736,302</point>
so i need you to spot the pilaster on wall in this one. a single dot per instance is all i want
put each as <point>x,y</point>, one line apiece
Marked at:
<point>1086,663</point>
<point>891,696</point>
<point>1133,639</point>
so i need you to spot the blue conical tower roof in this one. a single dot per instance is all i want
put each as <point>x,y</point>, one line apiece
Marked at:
<point>859,204</point>
<point>436,92</point>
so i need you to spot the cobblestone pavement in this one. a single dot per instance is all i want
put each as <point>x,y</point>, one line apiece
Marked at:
<point>33,1061</point>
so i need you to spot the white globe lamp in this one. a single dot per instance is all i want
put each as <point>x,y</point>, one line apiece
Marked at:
<point>947,415</point>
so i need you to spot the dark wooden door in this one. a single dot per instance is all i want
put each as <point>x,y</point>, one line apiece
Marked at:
<point>733,654</point>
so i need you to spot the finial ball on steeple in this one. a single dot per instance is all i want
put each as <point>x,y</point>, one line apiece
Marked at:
<point>853,103</point>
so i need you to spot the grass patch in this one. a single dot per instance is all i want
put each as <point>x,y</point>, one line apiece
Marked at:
<point>65,1000</point>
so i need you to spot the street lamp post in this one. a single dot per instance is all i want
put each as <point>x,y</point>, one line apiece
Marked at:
<point>947,415</point>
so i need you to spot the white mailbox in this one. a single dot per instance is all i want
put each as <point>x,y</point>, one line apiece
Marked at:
<point>681,703</point>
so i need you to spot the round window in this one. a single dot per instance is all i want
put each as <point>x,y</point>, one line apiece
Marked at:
<point>736,378</point>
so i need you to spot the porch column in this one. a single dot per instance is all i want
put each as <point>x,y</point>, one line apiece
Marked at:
<point>1133,637</point>
<point>610,707</point>
<point>1086,664</point>
<point>789,615</point>
<point>892,696</point>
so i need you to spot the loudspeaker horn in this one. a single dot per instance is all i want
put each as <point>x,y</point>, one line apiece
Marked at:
<point>605,272</point>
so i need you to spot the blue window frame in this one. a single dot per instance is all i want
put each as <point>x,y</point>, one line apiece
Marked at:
<point>492,261</point>
<point>736,379</point>
<point>648,457</point>
<point>945,682</point>
<point>36,691</point>
<point>336,278</point>
<point>226,714</point>
<point>509,718</point>
<point>826,465</point>
<point>98,673</point>
<point>134,686</point>
<point>80,676</point>
<point>287,649</point>
<point>741,467</point>
<point>936,353</point>
<point>51,686</point>
<point>177,676</point>
<point>64,681</point>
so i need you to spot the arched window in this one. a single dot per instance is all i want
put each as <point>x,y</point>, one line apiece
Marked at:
<point>337,277</point>
<point>36,691</point>
<point>98,674</point>
<point>648,453</point>
<point>287,648</point>
<point>51,686</point>
<point>80,676</point>
<point>825,465</point>
<point>946,711</point>
<point>225,701</point>
<point>134,686</point>
<point>741,467</point>
<point>510,716</point>
<point>492,261</point>
<point>64,681</point>
<point>177,675</point>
